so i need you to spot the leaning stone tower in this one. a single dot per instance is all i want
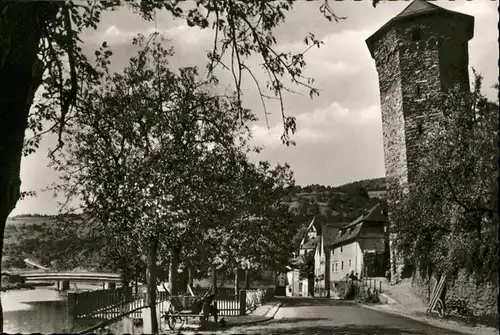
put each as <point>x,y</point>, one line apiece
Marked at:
<point>419,54</point>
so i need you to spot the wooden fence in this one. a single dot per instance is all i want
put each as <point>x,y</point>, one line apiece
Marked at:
<point>109,305</point>
<point>371,284</point>
<point>98,304</point>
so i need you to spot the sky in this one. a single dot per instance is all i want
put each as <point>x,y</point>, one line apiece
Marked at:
<point>339,133</point>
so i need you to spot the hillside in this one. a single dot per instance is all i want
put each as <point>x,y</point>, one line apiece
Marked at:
<point>376,184</point>
<point>43,238</point>
<point>343,203</point>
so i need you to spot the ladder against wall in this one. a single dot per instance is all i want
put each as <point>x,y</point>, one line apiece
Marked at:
<point>436,293</point>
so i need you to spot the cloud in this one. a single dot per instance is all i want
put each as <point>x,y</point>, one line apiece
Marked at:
<point>333,122</point>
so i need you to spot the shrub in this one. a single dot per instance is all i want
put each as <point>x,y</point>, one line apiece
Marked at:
<point>369,296</point>
<point>348,290</point>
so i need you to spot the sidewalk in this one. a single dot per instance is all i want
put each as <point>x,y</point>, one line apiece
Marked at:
<point>262,313</point>
<point>400,300</point>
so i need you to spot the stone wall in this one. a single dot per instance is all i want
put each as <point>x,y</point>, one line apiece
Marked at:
<point>481,300</point>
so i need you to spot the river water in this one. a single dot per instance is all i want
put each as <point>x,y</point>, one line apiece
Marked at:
<point>42,310</point>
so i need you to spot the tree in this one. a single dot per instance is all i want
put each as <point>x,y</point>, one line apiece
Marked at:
<point>305,264</point>
<point>138,153</point>
<point>261,228</point>
<point>449,219</point>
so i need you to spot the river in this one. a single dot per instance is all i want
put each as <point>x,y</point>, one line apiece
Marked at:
<point>42,310</point>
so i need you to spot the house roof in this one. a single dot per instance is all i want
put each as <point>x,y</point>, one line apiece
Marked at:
<point>418,8</point>
<point>314,224</point>
<point>330,230</point>
<point>374,215</point>
<point>311,244</point>
<point>352,230</point>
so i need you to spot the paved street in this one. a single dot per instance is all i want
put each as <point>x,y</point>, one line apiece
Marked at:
<point>321,316</point>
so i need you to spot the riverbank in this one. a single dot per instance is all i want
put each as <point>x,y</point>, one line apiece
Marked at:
<point>23,286</point>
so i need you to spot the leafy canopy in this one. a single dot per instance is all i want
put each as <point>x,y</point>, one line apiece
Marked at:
<point>449,219</point>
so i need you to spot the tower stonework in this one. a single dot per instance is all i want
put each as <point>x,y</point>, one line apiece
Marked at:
<point>419,55</point>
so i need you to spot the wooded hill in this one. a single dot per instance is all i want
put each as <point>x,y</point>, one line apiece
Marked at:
<point>343,203</point>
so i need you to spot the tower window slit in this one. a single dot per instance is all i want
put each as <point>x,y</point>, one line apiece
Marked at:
<point>416,35</point>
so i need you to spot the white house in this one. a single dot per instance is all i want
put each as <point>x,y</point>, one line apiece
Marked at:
<point>365,238</point>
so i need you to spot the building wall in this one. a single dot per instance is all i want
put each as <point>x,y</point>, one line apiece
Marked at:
<point>482,300</point>
<point>296,287</point>
<point>292,287</point>
<point>412,74</point>
<point>319,266</point>
<point>352,252</point>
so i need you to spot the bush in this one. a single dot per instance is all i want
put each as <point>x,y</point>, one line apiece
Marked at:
<point>14,279</point>
<point>369,296</point>
<point>348,290</point>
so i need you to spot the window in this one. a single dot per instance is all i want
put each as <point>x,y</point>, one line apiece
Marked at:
<point>342,266</point>
<point>334,267</point>
<point>349,263</point>
<point>333,251</point>
<point>416,35</point>
<point>300,287</point>
<point>341,249</point>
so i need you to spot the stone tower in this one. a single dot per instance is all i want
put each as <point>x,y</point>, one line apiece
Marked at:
<point>419,54</point>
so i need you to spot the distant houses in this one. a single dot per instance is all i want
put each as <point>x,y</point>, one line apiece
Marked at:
<point>380,194</point>
<point>322,258</point>
<point>358,248</point>
<point>297,286</point>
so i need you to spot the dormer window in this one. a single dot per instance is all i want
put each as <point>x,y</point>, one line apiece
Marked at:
<point>416,35</point>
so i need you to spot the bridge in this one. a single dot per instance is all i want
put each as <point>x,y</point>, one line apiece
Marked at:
<point>70,276</point>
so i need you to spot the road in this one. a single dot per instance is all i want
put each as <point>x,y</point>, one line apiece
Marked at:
<point>322,316</point>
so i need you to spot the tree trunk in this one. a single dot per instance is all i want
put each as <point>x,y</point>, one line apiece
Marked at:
<point>21,28</point>
<point>173,274</point>
<point>236,292</point>
<point>190,278</point>
<point>214,279</point>
<point>152,256</point>
<point>247,279</point>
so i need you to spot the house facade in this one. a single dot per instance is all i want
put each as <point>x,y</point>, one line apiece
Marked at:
<point>361,247</point>
<point>322,258</point>
<point>295,286</point>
